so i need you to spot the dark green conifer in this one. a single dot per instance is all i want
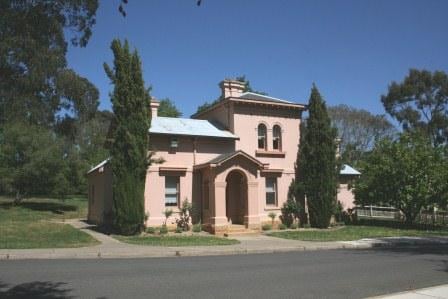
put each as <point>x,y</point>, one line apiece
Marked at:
<point>318,165</point>
<point>129,151</point>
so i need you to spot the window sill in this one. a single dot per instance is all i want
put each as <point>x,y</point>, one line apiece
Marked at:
<point>274,154</point>
<point>271,208</point>
<point>175,209</point>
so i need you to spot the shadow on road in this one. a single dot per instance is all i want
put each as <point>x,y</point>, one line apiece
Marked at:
<point>434,249</point>
<point>35,289</point>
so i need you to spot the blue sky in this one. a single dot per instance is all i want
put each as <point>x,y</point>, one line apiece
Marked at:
<point>352,50</point>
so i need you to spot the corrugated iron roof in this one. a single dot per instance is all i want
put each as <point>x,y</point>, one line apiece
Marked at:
<point>187,126</point>
<point>101,164</point>
<point>261,97</point>
<point>348,170</point>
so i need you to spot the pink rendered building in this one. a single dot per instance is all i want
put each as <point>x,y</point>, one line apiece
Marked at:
<point>234,162</point>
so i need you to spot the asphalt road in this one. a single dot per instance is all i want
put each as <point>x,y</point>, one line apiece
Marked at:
<point>313,274</point>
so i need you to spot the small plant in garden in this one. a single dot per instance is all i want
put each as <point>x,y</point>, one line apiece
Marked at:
<point>197,228</point>
<point>167,213</point>
<point>178,230</point>
<point>272,215</point>
<point>293,226</point>
<point>150,230</point>
<point>185,214</point>
<point>290,212</point>
<point>281,226</point>
<point>338,212</point>
<point>163,229</point>
<point>266,227</point>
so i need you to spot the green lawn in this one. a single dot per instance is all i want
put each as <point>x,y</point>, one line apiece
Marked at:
<point>177,240</point>
<point>30,224</point>
<point>350,233</point>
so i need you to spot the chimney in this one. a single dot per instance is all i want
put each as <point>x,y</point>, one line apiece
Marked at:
<point>231,88</point>
<point>154,107</point>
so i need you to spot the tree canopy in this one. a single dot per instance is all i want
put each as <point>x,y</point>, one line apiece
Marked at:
<point>420,103</point>
<point>358,130</point>
<point>32,59</point>
<point>408,174</point>
<point>167,108</point>
<point>49,116</point>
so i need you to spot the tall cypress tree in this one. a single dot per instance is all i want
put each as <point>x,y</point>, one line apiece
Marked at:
<point>297,187</point>
<point>317,165</point>
<point>129,151</point>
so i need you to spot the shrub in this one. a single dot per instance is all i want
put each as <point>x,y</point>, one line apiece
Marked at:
<point>150,230</point>
<point>293,226</point>
<point>163,229</point>
<point>167,213</point>
<point>178,230</point>
<point>339,212</point>
<point>266,227</point>
<point>272,215</point>
<point>290,211</point>
<point>281,226</point>
<point>185,213</point>
<point>197,228</point>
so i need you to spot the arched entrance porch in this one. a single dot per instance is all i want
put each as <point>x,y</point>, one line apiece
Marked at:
<point>236,197</point>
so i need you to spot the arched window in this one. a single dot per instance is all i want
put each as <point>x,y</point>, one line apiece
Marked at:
<point>277,138</point>
<point>262,137</point>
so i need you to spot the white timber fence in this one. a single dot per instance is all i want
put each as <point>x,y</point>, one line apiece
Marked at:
<point>436,217</point>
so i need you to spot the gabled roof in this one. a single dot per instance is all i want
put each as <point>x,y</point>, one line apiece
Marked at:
<point>348,170</point>
<point>227,156</point>
<point>188,127</point>
<point>101,164</point>
<point>260,97</point>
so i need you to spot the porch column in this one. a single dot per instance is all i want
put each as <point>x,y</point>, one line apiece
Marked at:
<point>252,220</point>
<point>219,205</point>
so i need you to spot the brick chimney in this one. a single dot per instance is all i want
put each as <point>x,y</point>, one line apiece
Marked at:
<point>231,88</point>
<point>154,107</point>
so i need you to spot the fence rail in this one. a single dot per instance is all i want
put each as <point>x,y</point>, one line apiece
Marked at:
<point>391,213</point>
<point>377,212</point>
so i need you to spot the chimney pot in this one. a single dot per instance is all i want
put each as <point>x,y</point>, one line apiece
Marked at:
<point>231,88</point>
<point>154,107</point>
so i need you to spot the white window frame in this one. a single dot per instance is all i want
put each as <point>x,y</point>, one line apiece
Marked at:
<point>168,194</point>
<point>274,191</point>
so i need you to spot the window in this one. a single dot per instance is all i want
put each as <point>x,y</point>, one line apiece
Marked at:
<point>171,191</point>
<point>271,191</point>
<point>262,136</point>
<point>277,138</point>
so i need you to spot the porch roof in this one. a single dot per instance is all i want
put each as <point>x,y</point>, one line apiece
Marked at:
<point>348,170</point>
<point>227,156</point>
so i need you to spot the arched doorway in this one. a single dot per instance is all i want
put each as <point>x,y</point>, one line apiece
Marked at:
<point>236,197</point>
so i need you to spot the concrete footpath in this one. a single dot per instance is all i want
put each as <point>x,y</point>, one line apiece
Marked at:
<point>249,244</point>
<point>438,292</point>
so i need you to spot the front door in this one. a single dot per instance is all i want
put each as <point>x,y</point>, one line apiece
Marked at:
<point>236,197</point>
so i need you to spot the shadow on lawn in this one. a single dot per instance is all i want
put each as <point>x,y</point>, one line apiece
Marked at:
<point>35,289</point>
<point>53,207</point>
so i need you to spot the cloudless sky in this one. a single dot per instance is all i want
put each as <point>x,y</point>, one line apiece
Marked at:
<point>352,50</point>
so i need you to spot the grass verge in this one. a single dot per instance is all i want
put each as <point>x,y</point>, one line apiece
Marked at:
<point>351,233</point>
<point>31,224</point>
<point>174,241</point>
